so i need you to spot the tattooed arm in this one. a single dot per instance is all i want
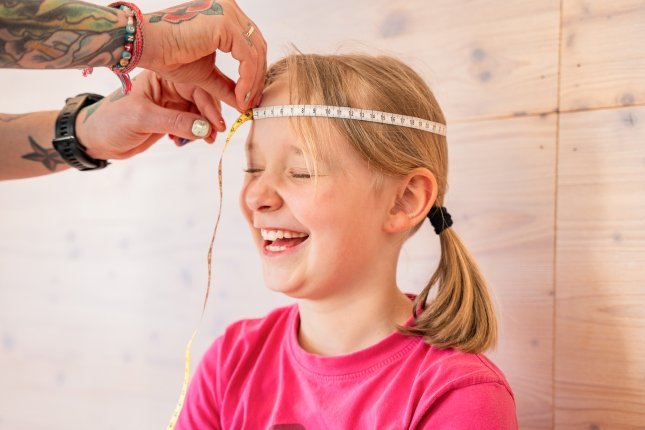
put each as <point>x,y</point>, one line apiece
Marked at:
<point>155,107</point>
<point>180,42</point>
<point>54,34</point>
<point>26,145</point>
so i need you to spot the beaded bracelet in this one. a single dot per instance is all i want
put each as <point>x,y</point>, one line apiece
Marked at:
<point>133,47</point>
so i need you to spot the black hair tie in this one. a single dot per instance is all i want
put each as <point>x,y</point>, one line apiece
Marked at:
<point>440,218</point>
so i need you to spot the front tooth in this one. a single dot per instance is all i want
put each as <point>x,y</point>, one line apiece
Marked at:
<point>276,248</point>
<point>279,234</point>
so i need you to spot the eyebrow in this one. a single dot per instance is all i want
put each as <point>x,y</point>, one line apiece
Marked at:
<point>294,149</point>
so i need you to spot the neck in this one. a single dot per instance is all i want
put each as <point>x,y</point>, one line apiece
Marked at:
<point>352,320</point>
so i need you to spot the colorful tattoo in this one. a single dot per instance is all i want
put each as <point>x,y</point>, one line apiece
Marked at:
<point>118,95</point>
<point>187,11</point>
<point>90,110</point>
<point>48,157</point>
<point>58,34</point>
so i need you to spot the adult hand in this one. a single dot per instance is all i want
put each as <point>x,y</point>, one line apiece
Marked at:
<point>181,44</point>
<point>120,126</point>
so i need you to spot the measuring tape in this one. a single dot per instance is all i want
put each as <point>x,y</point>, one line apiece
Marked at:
<point>246,116</point>
<point>286,111</point>
<point>344,112</point>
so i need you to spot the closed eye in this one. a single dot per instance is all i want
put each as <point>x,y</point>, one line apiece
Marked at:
<point>301,175</point>
<point>252,170</point>
<point>304,174</point>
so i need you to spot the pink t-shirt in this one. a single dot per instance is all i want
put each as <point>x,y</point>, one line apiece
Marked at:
<point>256,376</point>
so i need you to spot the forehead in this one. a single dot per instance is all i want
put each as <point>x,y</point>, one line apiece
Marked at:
<point>267,132</point>
<point>324,143</point>
<point>291,149</point>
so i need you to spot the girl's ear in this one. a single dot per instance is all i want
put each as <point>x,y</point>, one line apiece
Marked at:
<point>415,195</point>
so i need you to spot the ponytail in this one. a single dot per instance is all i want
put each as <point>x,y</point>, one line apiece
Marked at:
<point>462,315</point>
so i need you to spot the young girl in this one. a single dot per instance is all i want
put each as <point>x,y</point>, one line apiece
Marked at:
<point>330,203</point>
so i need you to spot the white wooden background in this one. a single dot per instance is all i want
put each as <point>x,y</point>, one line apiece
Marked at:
<point>102,274</point>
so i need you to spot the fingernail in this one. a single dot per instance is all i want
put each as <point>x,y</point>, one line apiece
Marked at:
<point>183,141</point>
<point>201,128</point>
<point>223,124</point>
<point>248,96</point>
<point>171,136</point>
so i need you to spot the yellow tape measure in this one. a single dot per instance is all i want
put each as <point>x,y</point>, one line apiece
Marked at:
<point>248,115</point>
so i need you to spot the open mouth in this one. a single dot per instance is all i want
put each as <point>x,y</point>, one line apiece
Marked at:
<point>282,240</point>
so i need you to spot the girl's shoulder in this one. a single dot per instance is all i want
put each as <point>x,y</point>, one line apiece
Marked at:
<point>276,320</point>
<point>452,369</point>
<point>247,337</point>
<point>464,389</point>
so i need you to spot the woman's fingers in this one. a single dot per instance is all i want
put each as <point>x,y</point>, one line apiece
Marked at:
<point>181,124</point>
<point>209,107</point>
<point>221,87</point>
<point>202,103</point>
<point>249,48</point>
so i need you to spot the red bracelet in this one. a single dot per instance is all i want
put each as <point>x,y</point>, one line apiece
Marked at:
<point>133,47</point>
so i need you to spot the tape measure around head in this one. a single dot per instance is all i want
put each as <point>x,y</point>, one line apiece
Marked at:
<point>344,112</point>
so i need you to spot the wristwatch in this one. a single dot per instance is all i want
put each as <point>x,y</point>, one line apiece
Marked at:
<point>65,141</point>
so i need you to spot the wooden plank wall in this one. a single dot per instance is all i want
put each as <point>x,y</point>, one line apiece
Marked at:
<point>600,254</point>
<point>545,101</point>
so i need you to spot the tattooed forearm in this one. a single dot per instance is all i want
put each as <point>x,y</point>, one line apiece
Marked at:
<point>47,156</point>
<point>117,95</point>
<point>59,34</point>
<point>91,109</point>
<point>26,148</point>
<point>187,11</point>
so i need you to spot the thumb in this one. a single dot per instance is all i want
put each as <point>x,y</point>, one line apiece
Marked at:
<point>183,124</point>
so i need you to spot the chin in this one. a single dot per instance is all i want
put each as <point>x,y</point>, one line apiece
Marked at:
<point>294,293</point>
<point>287,287</point>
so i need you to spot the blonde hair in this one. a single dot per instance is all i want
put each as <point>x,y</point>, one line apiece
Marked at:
<point>462,314</point>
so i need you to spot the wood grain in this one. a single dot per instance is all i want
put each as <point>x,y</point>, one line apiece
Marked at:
<point>501,197</point>
<point>600,271</point>
<point>603,60</point>
<point>487,58</point>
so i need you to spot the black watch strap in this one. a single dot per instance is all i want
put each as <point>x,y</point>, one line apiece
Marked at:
<point>65,141</point>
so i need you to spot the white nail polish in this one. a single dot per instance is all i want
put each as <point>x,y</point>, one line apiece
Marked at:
<point>201,128</point>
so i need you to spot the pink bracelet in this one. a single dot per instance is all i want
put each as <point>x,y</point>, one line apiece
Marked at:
<point>133,48</point>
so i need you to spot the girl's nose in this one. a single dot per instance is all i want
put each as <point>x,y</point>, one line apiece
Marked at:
<point>261,195</point>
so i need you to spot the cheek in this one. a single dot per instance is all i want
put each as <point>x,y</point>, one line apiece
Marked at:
<point>243,206</point>
<point>327,212</point>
